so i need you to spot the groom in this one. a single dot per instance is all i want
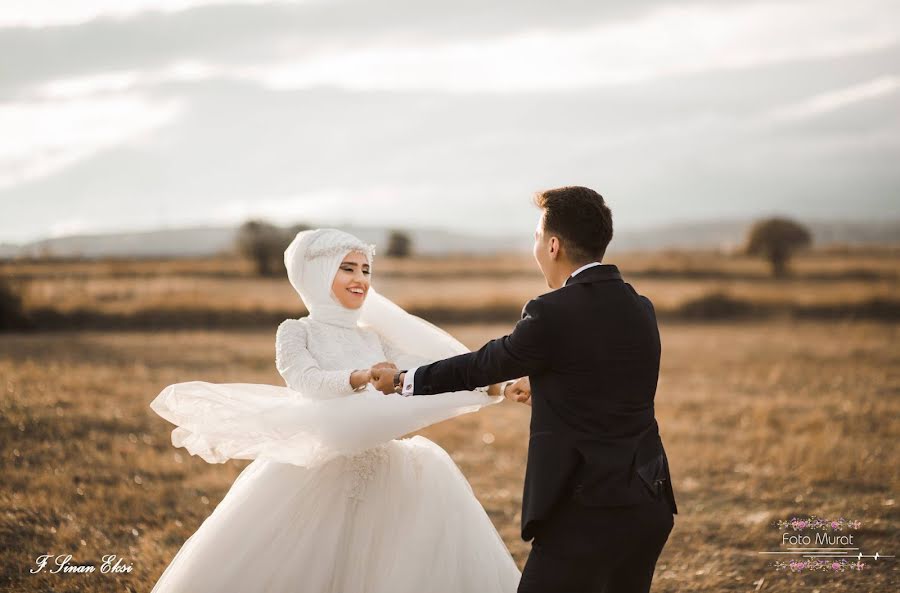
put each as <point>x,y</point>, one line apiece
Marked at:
<point>598,499</point>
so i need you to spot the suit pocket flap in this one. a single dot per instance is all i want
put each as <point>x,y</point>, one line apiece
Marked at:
<point>653,472</point>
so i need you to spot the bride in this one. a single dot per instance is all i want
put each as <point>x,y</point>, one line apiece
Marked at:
<point>334,500</point>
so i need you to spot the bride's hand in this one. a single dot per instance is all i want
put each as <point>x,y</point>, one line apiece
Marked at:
<point>360,378</point>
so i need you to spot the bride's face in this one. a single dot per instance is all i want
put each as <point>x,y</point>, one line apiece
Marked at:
<point>351,282</point>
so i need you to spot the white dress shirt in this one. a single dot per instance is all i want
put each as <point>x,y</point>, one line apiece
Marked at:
<point>584,267</point>
<point>409,377</point>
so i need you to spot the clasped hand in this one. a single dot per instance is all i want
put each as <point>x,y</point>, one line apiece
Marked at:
<point>381,376</point>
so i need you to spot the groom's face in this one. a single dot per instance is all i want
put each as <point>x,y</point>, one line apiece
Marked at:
<point>546,252</point>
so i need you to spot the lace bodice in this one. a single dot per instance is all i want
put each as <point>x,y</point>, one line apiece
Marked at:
<point>316,358</point>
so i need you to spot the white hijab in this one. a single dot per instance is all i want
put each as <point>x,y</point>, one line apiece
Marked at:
<point>221,421</point>
<point>312,260</point>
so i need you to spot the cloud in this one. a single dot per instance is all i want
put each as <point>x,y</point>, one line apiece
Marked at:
<point>69,226</point>
<point>41,138</point>
<point>690,147</point>
<point>238,33</point>
<point>337,16</point>
<point>827,102</point>
<point>672,110</point>
<point>464,45</point>
<point>671,41</point>
<point>123,81</point>
<point>52,13</point>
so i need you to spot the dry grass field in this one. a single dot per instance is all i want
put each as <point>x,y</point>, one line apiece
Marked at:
<point>227,285</point>
<point>763,420</point>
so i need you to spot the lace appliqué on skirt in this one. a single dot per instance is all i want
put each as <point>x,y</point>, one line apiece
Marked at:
<point>413,454</point>
<point>362,466</point>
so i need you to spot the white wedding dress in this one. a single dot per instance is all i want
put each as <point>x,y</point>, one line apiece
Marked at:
<point>332,503</point>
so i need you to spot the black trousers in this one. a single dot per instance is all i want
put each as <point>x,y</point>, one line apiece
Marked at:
<point>583,549</point>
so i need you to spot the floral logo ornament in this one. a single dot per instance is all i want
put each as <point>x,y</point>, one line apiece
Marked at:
<point>816,564</point>
<point>816,523</point>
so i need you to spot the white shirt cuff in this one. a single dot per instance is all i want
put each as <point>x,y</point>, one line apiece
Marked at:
<point>408,379</point>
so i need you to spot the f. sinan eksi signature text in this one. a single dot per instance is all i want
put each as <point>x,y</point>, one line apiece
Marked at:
<point>62,563</point>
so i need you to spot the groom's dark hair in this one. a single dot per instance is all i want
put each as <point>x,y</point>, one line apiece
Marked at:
<point>580,218</point>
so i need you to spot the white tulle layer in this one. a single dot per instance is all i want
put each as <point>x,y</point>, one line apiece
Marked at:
<point>221,421</point>
<point>397,518</point>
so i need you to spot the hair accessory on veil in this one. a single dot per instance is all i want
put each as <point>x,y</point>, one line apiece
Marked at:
<point>330,248</point>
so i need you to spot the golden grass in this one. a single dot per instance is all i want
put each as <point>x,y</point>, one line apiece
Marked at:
<point>761,422</point>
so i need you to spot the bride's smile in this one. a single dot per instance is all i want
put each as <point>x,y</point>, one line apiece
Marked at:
<point>351,282</point>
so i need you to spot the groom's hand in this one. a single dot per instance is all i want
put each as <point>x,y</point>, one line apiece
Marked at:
<point>385,365</point>
<point>520,391</point>
<point>383,377</point>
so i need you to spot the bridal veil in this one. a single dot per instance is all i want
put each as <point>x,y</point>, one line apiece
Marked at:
<point>221,421</point>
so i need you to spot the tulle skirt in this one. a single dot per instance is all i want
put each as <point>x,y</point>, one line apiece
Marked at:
<point>396,518</point>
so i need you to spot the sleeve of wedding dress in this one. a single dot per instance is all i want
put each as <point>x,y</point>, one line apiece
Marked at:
<point>300,370</point>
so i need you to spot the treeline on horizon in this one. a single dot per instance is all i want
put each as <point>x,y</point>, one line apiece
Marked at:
<point>713,307</point>
<point>764,261</point>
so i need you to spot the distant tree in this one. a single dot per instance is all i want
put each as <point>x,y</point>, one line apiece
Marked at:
<point>12,314</point>
<point>776,240</point>
<point>264,244</point>
<point>399,244</point>
<point>256,240</point>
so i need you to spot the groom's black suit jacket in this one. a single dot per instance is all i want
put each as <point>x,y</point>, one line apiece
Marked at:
<point>591,350</point>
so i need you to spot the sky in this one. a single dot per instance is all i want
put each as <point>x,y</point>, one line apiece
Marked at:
<point>140,114</point>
